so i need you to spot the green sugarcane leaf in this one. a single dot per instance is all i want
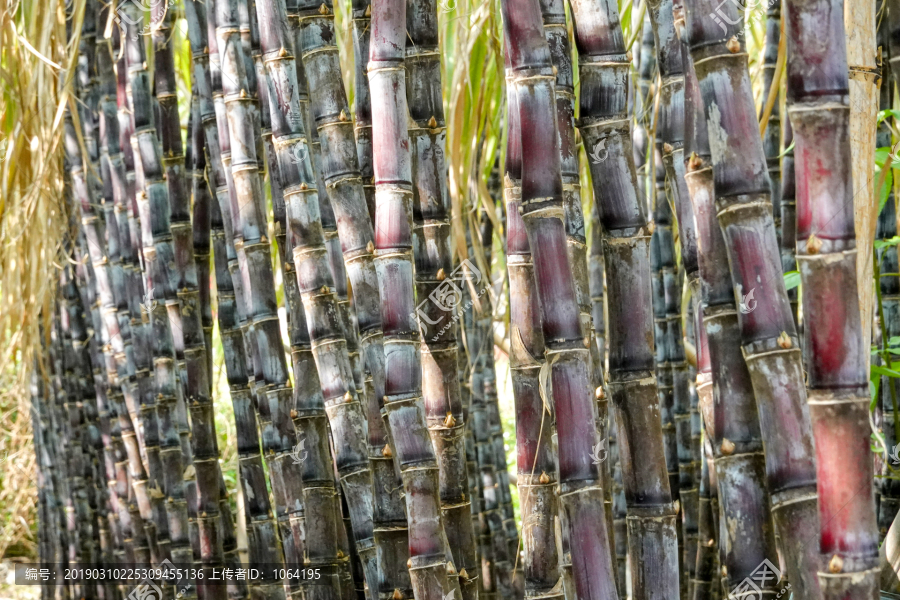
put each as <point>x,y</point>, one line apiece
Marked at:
<point>878,370</point>
<point>879,244</point>
<point>791,279</point>
<point>890,112</point>
<point>786,150</point>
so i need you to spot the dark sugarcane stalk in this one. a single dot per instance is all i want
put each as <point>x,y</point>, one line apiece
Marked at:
<point>604,124</point>
<point>432,572</point>
<point>788,203</point>
<point>153,199</point>
<point>501,555</point>
<point>314,279</point>
<point>261,526</point>
<point>436,288</point>
<point>598,300</point>
<point>553,15</point>
<point>887,307</point>
<point>818,105</point>
<point>85,191</point>
<point>189,335</point>
<point>567,350</point>
<point>769,341</point>
<point>706,581</point>
<point>491,401</point>
<point>772,132</point>
<point>724,384</point>
<point>535,461</point>
<point>361,12</point>
<point>667,19</point>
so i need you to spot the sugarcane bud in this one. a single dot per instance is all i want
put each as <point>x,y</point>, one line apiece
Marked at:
<point>449,421</point>
<point>733,45</point>
<point>348,397</point>
<point>677,506</point>
<point>409,563</point>
<point>343,116</point>
<point>293,413</point>
<point>724,571</point>
<point>836,564</point>
<point>283,52</point>
<point>441,275</point>
<point>189,472</point>
<point>324,289</point>
<point>263,239</point>
<point>667,148</point>
<point>545,479</point>
<point>586,341</point>
<point>340,554</point>
<point>450,568</point>
<point>695,162</point>
<point>386,451</point>
<point>599,393</point>
<point>323,10</point>
<point>651,227</point>
<point>813,244</point>
<point>463,574</point>
<point>303,186</point>
<point>398,595</point>
<point>727,447</point>
<point>629,56</point>
<point>243,93</point>
<point>205,49</point>
<point>555,70</point>
<point>710,542</point>
<point>432,122</point>
<point>784,340</point>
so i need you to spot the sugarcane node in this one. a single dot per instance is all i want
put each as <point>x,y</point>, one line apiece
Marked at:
<point>784,341</point>
<point>449,421</point>
<point>733,45</point>
<point>813,244</point>
<point>441,276</point>
<point>836,564</point>
<point>545,479</point>
<point>386,452</point>
<point>727,447</point>
<point>599,393</point>
<point>323,10</point>
<point>398,595</point>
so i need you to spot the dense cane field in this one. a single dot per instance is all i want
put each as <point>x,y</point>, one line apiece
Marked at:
<point>448,300</point>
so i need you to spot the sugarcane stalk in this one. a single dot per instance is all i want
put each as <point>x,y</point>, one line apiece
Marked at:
<point>727,398</point>
<point>403,405</point>
<point>569,368</point>
<point>189,334</point>
<point>818,105</point>
<point>434,274</point>
<point>535,461</point>
<point>604,127</point>
<point>313,274</point>
<point>769,341</point>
